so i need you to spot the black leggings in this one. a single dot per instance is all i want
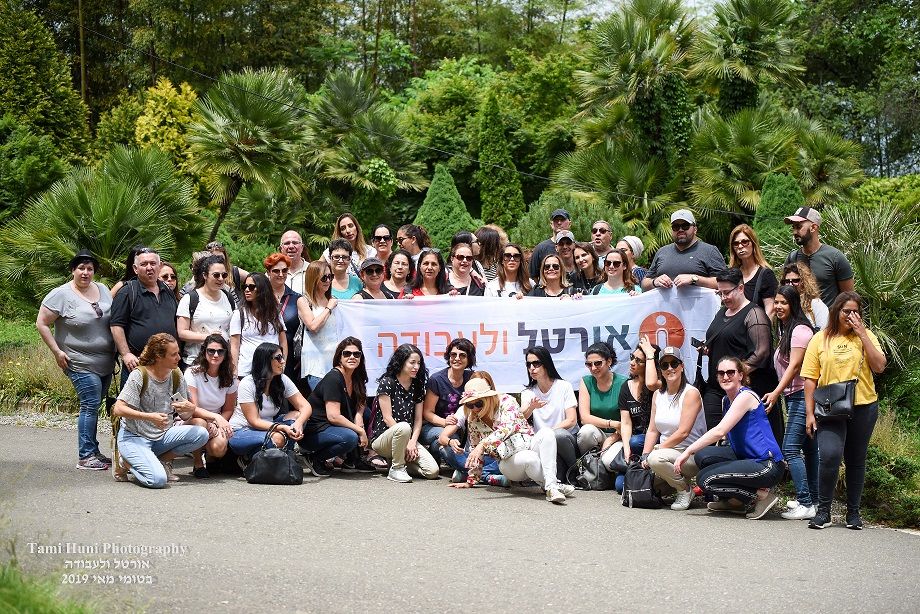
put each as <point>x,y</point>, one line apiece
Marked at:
<point>846,440</point>
<point>726,476</point>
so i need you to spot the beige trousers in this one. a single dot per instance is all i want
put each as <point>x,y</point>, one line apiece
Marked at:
<point>661,462</point>
<point>392,444</point>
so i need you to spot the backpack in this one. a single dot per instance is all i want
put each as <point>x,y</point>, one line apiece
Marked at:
<point>639,488</point>
<point>193,299</point>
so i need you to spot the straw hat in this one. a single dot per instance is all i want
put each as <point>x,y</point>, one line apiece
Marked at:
<point>476,389</point>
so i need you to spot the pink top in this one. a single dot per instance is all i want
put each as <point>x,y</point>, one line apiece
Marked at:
<point>801,335</point>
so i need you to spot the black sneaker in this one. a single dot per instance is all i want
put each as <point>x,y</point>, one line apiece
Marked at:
<point>822,520</point>
<point>854,521</point>
<point>319,469</point>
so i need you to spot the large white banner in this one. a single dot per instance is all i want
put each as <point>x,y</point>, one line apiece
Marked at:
<point>502,329</point>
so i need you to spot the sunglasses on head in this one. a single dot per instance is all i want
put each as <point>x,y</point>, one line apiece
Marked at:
<point>726,373</point>
<point>351,353</point>
<point>384,238</point>
<point>534,364</point>
<point>278,271</point>
<point>511,256</point>
<point>214,245</point>
<point>681,226</point>
<point>217,275</point>
<point>670,364</point>
<point>594,363</point>
<point>476,404</point>
<point>215,351</point>
<point>551,267</point>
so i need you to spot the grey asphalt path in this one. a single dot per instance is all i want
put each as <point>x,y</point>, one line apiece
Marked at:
<point>364,544</point>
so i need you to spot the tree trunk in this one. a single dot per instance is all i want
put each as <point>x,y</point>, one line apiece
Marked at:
<point>233,190</point>
<point>377,41</point>
<point>565,10</point>
<point>478,33</point>
<point>82,51</point>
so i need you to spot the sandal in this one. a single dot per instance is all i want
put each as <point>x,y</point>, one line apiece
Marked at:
<point>378,463</point>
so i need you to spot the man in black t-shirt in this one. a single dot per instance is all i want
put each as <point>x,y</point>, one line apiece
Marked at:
<point>559,220</point>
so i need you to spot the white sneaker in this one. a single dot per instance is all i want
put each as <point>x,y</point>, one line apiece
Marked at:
<point>682,500</point>
<point>554,495</point>
<point>399,475</point>
<point>800,512</point>
<point>567,489</point>
<point>791,504</point>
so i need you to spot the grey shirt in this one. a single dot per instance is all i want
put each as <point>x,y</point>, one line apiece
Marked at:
<point>700,259</point>
<point>157,398</point>
<point>80,332</point>
<point>829,266</point>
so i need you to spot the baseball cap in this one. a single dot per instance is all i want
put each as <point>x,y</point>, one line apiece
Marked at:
<point>369,262</point>
<point>804,214</point>
<point>560,213</point>
<point>671,351</point>
<point>564,234</point>
<point>683,214</point>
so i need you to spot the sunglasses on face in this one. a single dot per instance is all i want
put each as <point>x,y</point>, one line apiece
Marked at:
<point>614,264</point>
<point>340,257</point>
<point>476,405</point>
<point>727,373</point>
<point>373,270</point>
<point>216,351</point>
<point>684,226</point>
<point>534,364</point>
<point>790,281</point>
<point>279,271</point>
<point>670,364</point>
<point>278,357</point>
<point>636,359</point>
<point>458,356</point>
<point>217,275</point>
<point>599,231</point>
<point>326,278</point>
<point>565,243</point>
<point>401,239</point>
<point>384,238</point>
<point>741,243</point>
<point>594,363</point>
<point>351,353</point>
<point>168,276</point>
<point>249,287</point>
<point>511,256</point>
<point>463,258</point>
<point>551,267</point>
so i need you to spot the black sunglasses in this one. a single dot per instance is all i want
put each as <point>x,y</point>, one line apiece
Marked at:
<point>685,226</point>
<point>534,364</point>
<point>278,357</point>
<point>97,309</point>
<point>373,270</point>
<point>216,351</point>
<point>217,275</point>
<point>351,353</point>
<point>726,373</point>
<point>476,404</point>
<point>600,231</point>
<point>249,287</point>
<point>384,238</point>
<point>790,281</point>
<point>463,258</point>
<point>168,276</point>
<point>511,256</point>
<point>670,364</point>
<point>277,271</point>
<point>551,267</point>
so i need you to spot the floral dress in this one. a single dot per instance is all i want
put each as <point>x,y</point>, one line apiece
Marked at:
<point>507,420</point>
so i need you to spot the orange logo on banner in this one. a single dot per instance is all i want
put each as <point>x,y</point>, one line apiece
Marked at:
<point>663,329</point>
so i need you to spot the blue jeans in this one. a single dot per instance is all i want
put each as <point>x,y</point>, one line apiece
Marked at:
<point>143,454</point>
<point>247,441</point>
<point>329,443</point>
<point>458,462</point>
<point>800,451</point>
<point>636,443</point>
<point>428,437</point>
<point>91,389</point>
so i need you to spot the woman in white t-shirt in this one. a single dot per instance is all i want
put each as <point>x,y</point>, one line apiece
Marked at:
<point>212,387</point>
<point>267,397</point>
<point>213,309</point>
<point>677,417</point>
<point>512,279</point>
<point>257,321</point>
<point>549,401</point>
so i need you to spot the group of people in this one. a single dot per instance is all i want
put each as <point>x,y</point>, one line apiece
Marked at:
<point>234,360</point>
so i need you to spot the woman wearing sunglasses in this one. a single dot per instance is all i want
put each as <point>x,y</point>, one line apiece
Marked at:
<point>799,276</point>
<point>206,309</point>
<point>512,279</point>
<point>553,283</point>
<point>635,404</point>
<point>460,278</point>
<point>169,277</point>
<point>620,279</point>
<point>212,389</point>
<point>319,335</point>
<point>267,397</point>
<point>500,430</point>
<point>677,421</point>
<point>382,241</point>
<point>83,348</point>
<point>443,391</point>
<point>336,428</point>
<point>598,399</point>
<point>372,278</point>
<point>549,402</point>
<point>293,307</point>
<point>257,321</point>
<point>741,475</point>
<point>759,279</point>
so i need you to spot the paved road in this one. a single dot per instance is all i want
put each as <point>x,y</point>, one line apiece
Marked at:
<point>361,544</point>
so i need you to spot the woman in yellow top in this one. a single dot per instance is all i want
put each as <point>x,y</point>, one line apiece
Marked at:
<point>844,350</point>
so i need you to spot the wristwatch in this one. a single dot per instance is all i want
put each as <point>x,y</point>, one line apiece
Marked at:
<point>694,279</point>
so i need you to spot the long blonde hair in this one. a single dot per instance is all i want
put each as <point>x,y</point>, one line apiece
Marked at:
<point>490,404</point>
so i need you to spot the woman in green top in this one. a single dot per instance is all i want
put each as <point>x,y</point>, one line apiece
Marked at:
<point>598,398</point>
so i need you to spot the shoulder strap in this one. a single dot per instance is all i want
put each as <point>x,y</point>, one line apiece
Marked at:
<point>176,378</point>
<point>235,273</point>
<point>596,290</point>
<point>760,271</point>
<point>193,300</point>
<point>229,299</point>
<point>144,378</point>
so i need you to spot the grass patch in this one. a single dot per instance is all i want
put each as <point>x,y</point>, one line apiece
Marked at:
<point>892,486</point>
<point>20,592</point>
<point>18,333</point>
<point>29,372</point>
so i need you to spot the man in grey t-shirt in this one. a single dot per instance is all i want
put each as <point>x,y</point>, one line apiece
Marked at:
<point>687,261</point>
<point>828,264</point>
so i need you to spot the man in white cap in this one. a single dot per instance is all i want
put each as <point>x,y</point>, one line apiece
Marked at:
<point>292,247</point>
<point>830,267</point>
<point>565,247</point>
<point>559,220</point>
<point>687,261</point>
<point>633,247</point>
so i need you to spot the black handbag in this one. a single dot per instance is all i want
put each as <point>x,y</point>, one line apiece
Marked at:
<point>835,401</point>
<point>639,488</point>
<point>589,473</point>
<point>274,465</point>
<point>618,464</point>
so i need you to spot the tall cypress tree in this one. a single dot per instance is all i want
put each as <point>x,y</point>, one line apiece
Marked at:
<point>499,184</point>
<point>443,212</point>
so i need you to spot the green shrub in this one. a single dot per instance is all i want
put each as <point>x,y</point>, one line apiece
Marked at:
<point>20,592</point>
<point>780,197</point>
<point>117,125</point>
<point>443,213</point>
<point>499,183</point>
<point>29,163</point>
<point>900,192</point>
<point>891,488</point>
<point>535,226</point>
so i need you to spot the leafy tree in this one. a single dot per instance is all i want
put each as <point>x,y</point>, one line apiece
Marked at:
<point>251,129</point>
<point>117,126</point>
<point>779,197</point>
<point>902,193</point>
<point>499,185</point>
<point>35,82</point>
<point>165,118</point>
<point>534,227</point>
<point>747,46</point>
<point>28,165</point>
<point>443,213</point>
<point>135,197</point>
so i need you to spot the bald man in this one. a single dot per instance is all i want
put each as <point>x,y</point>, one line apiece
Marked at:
<point>292,247</point>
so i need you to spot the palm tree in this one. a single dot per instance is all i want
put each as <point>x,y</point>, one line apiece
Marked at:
<point>136,197</point>
<point>748,45</point>
<point>827,166</point>
<point>251,128</point>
